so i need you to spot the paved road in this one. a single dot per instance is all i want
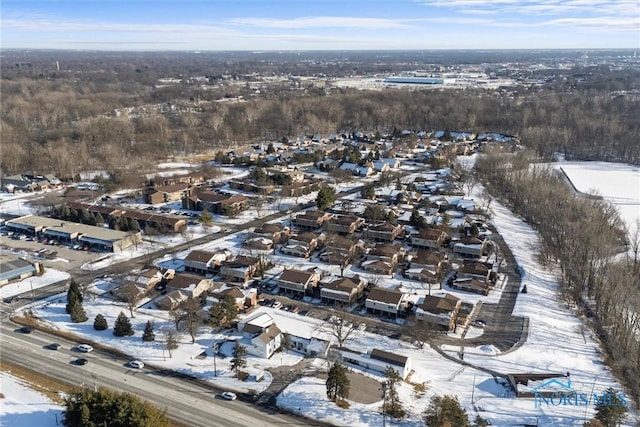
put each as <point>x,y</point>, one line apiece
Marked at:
<point>186,402</point>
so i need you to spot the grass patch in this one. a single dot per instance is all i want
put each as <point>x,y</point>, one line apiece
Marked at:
<point>342,404</point>
<point>50,387</point>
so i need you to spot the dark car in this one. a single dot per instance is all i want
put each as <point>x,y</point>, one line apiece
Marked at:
<point>81,361</point>
<point>26,329</point>
<point>53,346</point>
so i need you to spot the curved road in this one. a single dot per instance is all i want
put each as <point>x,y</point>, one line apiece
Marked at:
<point>186,402</point>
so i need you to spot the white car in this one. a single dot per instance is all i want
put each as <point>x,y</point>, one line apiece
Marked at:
<point>84,348</point>
<point>136,364</point>
<point>228,395</point>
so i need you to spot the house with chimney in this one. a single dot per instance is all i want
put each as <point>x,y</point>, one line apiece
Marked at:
<point>429,238</point>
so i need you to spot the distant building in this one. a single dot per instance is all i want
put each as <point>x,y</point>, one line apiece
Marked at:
<point>15,269</point>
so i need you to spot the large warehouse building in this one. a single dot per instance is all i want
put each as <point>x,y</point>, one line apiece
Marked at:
<point>70,232</point>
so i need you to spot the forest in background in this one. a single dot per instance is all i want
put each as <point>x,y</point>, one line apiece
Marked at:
<point>113,116</point>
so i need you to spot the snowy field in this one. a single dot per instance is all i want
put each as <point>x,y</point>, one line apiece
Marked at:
<point>16,288</point>
<point>618,183</point>
<point>20,406</point>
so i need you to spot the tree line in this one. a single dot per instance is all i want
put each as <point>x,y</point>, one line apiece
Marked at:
<point>64,126</point>
<point>584,239</point>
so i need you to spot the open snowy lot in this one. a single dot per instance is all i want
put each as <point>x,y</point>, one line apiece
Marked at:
<point>21,406</point>
<point>618,183</point>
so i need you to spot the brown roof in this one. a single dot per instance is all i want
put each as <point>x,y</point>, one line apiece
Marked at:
<point>173,188</point>
<point>430,234</point>
<point>270,333</point>
<point>384,250</point>
<point>345,284</point>
<point>199,256</point>
<point>474,268</point>
<point>242,261</point>
<point>392,358</point>
<point>296,276</point>
<point>234,199</point>
<point>470,240</point>
<point>434,304</point>
<point>268,229</point>
<point>233,292</point>
<point>312,215</point>
<point>472,282</point>
<point>211,196</point>
<point>385,296</point>
<point>340,242</point>
<point>428,258</point>
<point>184,280</point>
<point>385,226</point>
<point>344,219</point>
<point>304,237</point>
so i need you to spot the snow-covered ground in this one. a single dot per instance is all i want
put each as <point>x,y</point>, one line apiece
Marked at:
<point>619,183</point>
<point>50,276</point>
<point>556,343</point>
<point>22,406</point>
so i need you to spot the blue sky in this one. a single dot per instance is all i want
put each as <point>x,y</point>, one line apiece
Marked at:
<point>319,24</point>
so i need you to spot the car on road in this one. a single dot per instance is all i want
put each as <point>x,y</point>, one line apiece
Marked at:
<point>26,329</point>
<point>228,395</point>
<point>480,323</point>
<point>84,348</point>
<point>80,361</point>
<point>53,346</point>
<point>135,364</point>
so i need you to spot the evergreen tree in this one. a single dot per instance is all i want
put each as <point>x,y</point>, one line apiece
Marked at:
<point>611,410</point>
<point>99,219</point>
<point>338,383</point>
<point>416,220</point>
<point>74,294</point>
<point>224,312</point>
<point>78,315</point>
<point>148,334</point>
<point>368,191</point>
<point>171,342</point>
<point>102,407</point>
<point>270,148</point>
<point>100,323</point>
<point>392,405</point>
<point>123,224</point>
<point>122,327</point>
<point>206,220</point>
<point>65,212</point>
<point>326,198</point>
<point>445,411</point>
<point>239,357</point>
<point>133,225</point>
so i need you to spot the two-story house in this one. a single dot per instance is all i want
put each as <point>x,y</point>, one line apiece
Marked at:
<point>386,302</point>
<point>429,238</point>
<point>301,245</point>
<point>201,262</point>
<point>342,291</point>
<point>475,270</point>
<point>260,335</point>
<point>383,232</point>
<point>427,266</point>
<point>297,282</point>
<point>343,224</point>
<point>470,247</point>
<point>311,220</point>
<point>241,269</point>
<point>439,310</point>
<point>384,252</point>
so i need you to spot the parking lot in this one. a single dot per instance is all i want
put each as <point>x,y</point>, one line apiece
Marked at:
<point>68,259</point>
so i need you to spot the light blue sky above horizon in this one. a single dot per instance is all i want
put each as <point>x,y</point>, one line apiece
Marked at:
<point>319,24</point>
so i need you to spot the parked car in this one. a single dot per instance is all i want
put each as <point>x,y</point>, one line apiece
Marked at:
<point>228,395</point>
<point>81,361</point>
<point>84,348</point>
<point>277,304</point>
<point>135,364</point>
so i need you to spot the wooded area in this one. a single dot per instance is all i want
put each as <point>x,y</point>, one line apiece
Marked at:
<point>584,240</point>
<point>120,120</point>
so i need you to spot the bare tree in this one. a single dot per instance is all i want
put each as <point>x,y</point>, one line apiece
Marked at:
<point>191,319</point>
<point>340,326</point>
<point>177,315</point>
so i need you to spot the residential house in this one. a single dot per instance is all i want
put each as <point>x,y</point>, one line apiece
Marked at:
<point>274,232</point>
<point>338,249</point>
<point>377,266</point>
<point>343,224</point>
<point>476,270</point>
<point>214,202</point>
<point>260,335</point>
<point>301,245</point>
<point>181,288</point>
<point>427,266</point>
<point>384,301</point>
<point>389,253</point>
<point>342,291</point>
<point>297,282</point>
<point>471,284</point>
<point>241,269</point>
<point>357,170</point>
<point>384,232</point>
<point>429,238</point>
<point>259,243</point>
<point>167,193</point>
<point>439,310</point>
<point>376,360</point>
<point>244,298</point>
<point>311,220</point>
<point>470,247</point>
<point>202,262</point>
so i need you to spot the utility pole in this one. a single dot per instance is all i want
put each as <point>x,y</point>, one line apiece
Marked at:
<point>215,350</point>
